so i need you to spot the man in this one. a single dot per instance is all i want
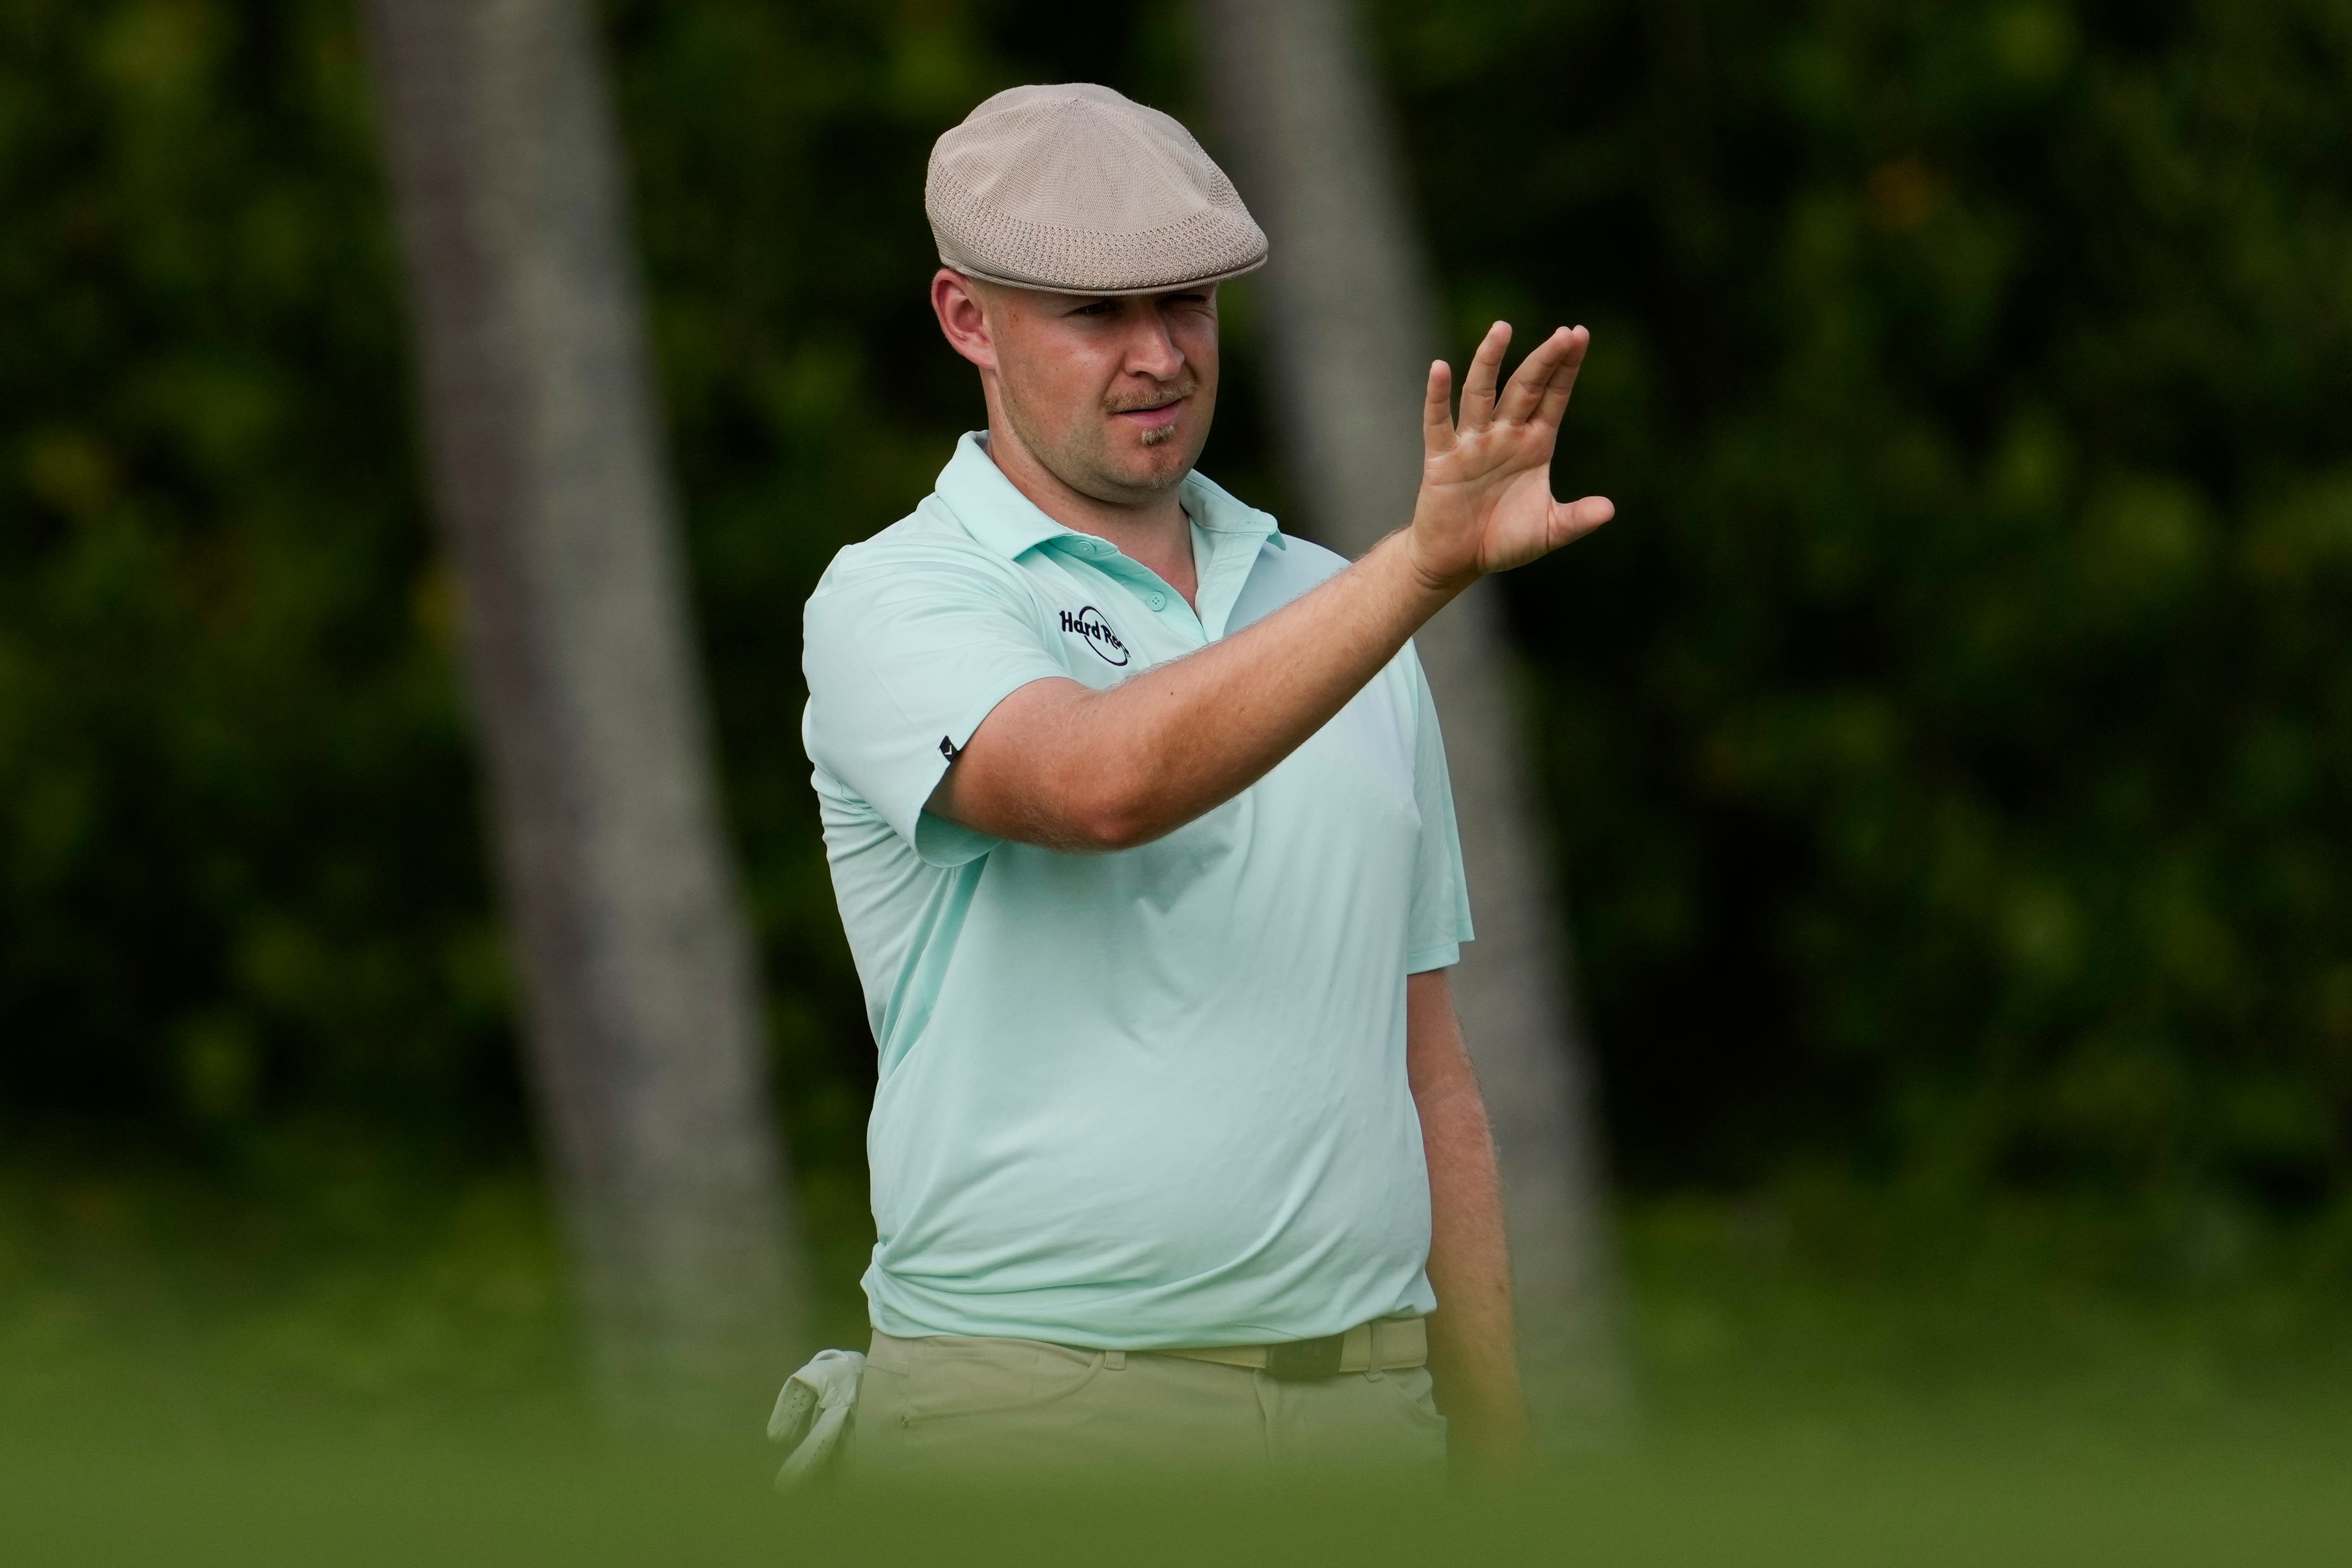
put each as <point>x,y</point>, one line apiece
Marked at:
<point>1139,818</point>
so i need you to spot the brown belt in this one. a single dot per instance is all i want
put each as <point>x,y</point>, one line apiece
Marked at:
<point>1389,1344</point>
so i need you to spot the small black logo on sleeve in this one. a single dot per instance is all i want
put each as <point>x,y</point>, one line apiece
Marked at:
<point>1088,624</point>
<point>948,748</point>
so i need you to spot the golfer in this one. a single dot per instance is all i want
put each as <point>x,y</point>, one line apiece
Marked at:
<point>1138,815</point>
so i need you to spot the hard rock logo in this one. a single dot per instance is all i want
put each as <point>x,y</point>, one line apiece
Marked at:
<point>1088,624</point>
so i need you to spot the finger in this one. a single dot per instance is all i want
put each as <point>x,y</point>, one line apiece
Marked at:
<point>1573,519</point>
<point>1479,385</point>
<point>1554,405</point>
<point>1525,390</point>
<point>1437,410</point>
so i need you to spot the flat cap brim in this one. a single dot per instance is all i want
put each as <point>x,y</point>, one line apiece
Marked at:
<point>970,269</point>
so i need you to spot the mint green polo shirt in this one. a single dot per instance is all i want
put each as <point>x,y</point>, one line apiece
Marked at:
<point>1155,1097</point>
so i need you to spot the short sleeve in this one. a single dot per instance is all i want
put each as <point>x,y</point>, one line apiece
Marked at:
<point>1439,920</point>
<point>904,660</point>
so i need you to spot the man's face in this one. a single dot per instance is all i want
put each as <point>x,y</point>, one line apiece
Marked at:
<point>1113,394</point>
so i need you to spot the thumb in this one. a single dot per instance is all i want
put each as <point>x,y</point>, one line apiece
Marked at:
<point>1573,519</point>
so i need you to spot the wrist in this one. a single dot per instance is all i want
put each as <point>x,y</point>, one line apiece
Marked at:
<point>1437,587</point>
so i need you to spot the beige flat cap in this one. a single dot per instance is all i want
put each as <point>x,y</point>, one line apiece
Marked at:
<point>1078,189</point>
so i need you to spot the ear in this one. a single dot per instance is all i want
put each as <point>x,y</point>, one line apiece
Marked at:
<point>955,300</point>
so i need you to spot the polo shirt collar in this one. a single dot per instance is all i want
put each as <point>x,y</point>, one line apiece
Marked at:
<point>998,515</point>
<point>987,506</point>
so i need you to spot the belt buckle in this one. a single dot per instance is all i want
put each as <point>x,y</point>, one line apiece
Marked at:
<point>1303,1360</point>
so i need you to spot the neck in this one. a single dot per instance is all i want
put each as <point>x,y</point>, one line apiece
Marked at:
<point>1155,531</point>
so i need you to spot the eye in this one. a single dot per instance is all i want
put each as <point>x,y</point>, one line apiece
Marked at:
<point>1096,307</point>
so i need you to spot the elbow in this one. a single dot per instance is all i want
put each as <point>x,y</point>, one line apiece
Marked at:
<point>1108,832</point>
<point>1114,820</point>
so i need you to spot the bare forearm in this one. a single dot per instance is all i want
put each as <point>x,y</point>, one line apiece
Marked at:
<point>1471,1351</point>
<point>1472,1343</point>
<point>1145,757</point>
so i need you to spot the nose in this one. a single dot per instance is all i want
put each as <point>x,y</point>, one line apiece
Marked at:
<point>1150,349</point>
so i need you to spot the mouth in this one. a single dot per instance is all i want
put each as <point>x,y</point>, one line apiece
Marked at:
<point>1153,421</point>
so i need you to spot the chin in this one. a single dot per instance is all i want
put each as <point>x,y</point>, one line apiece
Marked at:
<point>1157,469</point>
<point>1124,471</point>
<point>1155,465</point>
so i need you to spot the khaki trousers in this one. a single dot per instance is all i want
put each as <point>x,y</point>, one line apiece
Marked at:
<point>942,1410</point>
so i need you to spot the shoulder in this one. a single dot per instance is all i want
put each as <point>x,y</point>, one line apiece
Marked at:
<point>925,555</point>
<point>1305,562</point>
<point>1285,568</point>
<point>927,541</point>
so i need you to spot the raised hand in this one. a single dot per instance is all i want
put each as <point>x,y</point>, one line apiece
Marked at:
<point>1485,501</point>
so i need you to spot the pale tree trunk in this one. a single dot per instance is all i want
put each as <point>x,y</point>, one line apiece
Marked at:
<point>1350,329</point>
<point>640,1000</point>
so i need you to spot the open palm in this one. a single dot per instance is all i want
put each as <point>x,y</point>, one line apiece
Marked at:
<point>1485,502</point>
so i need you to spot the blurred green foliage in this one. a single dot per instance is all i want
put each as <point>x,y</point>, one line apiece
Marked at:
<point>1951,744</point>
<point>1952,741</point>
<point>240,873</point>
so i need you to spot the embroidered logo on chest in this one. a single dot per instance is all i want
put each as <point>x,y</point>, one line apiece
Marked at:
<point>1088,624</point>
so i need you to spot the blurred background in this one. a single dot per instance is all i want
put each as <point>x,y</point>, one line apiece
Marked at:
<point>1945,760</point>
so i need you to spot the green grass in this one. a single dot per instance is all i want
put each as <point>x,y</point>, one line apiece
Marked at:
<point>377,1367</point>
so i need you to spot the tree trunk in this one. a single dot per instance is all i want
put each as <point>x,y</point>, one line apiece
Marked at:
<point>641,1003</point>
<point>1350,330</point>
